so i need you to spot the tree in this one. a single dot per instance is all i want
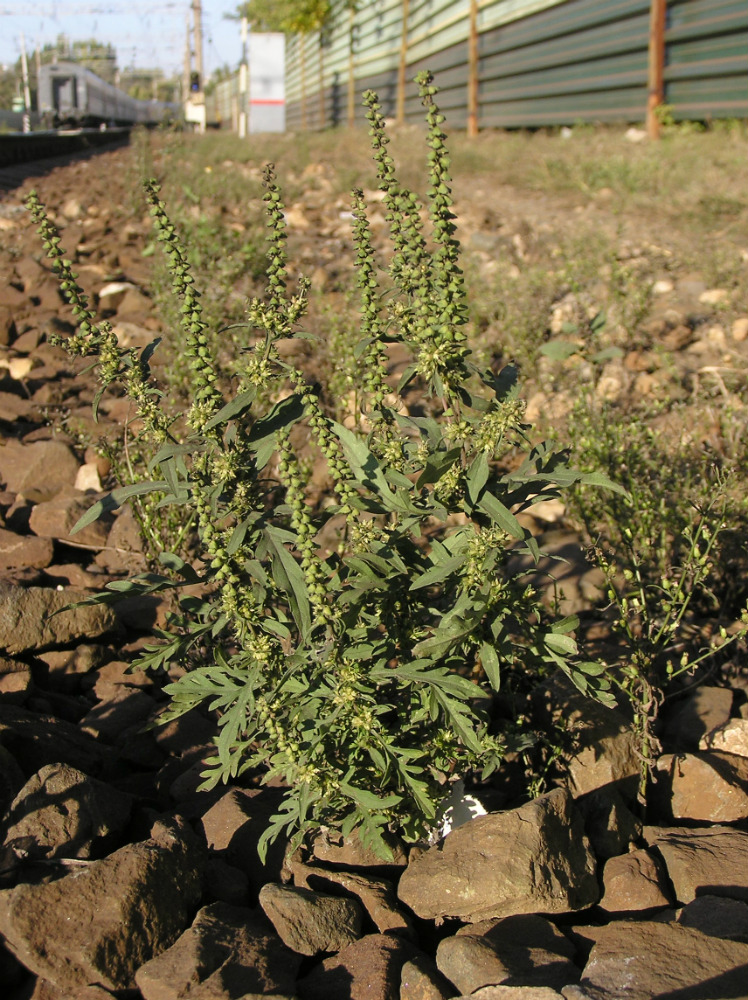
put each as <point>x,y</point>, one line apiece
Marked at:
<point>288,16</point>
<point>9,86</point>
<point>99,57</point>
<point>147,84</point>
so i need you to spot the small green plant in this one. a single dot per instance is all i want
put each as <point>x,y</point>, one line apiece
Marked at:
<point>663,547</point>
<point>358,673</point>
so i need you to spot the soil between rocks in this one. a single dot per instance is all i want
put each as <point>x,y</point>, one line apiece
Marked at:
<point>83,782</point>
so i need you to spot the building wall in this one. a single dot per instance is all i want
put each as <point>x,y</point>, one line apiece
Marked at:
<point>540,62</point>
<point>264,96</point>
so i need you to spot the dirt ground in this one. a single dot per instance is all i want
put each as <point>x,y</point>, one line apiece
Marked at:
<point>576,270</point>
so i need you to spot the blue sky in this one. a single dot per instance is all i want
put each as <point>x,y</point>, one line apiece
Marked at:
<point>144,33</point>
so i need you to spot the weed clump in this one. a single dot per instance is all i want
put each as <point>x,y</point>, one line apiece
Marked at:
<point>349,648</point>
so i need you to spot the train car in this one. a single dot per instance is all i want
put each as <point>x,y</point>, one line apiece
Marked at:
<point>71,95</point>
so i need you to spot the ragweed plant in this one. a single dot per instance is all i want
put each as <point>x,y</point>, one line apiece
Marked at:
<point>359,672</point>
<point>664,549</point>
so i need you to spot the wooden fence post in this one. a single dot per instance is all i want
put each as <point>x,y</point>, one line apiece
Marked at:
<point>472,96</point>
<point>656,81</point>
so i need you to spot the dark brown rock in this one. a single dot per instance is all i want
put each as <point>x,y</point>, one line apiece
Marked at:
<point>36,740</point>
<point>44,466</point>
<point>128,708</point>
<point>103,922</point>
<point>11,296</point>
<point>635,881</point>
<point>183,777</point>
<point>225,884</point>
<point>31,273</point>
<point>44,990</point>
<point>311,922</point>
<point>33,619</point>
<point>116,675</point>
<point>377,896</point>
<point>646,959</point>
<point>111,295</point>
<point>517,993</point>
<point>21,551</point>
<point>16,687</point>
<point>13,407</point>
<point>368,969</point>
<point>134,304</point>
<point>11,778</point>
<point>703,860</point>
<point>65,667</point>
<point>349,852</point>
<point>709,787</point>
<point>74,575</point>
<point>56,519</point>
<point>607,755</point>
<point>678,337</point>
<point>228,953</point>
<point>608,822</point>
<point>124,546</point>
<point>184,733</point>
<point>698,713</point>
<point>525,950</point>
<point>132,334</point>
<point>17,515</point>
<point>732,737</point>
<point>717,916</point>
<point>7,325</point>
<point>420,979</point>
<point>232,829</point>
<point>527,860</point>
<point>61,812</point>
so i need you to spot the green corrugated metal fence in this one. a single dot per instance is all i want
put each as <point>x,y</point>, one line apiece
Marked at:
<point>706,59</point>
<point>539,62</point>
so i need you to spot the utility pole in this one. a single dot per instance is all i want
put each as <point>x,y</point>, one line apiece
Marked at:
<point>194,93</point>
<point>197,16</point>
<point>38,61</point>
<point>243,81</point>
<point>26,91</point>
<point>198,96</point>
<point>187,66</point>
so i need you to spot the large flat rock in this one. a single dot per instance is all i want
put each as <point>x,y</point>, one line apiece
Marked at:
<point>703,860</point>
<point>639,960</point>
<point>535,859</point>
<point>33,618</point>
<point>103,921</point>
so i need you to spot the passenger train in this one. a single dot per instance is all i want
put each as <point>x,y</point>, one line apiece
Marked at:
<point>71,95</point>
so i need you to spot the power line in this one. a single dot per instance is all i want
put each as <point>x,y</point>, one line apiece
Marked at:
<point>56,12</point>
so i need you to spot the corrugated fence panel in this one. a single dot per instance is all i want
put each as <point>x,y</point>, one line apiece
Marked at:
<point>492,13</point>
<point>540,62</point>
<point>706,59</point>
<point>336,63</point>
<point>302,81</point>
<point>584,60</point>
<point>377,34</point>
<point>435,25</point>
<point>437,41</point>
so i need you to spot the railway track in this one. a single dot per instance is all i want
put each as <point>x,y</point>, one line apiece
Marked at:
<point>35,153</point>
